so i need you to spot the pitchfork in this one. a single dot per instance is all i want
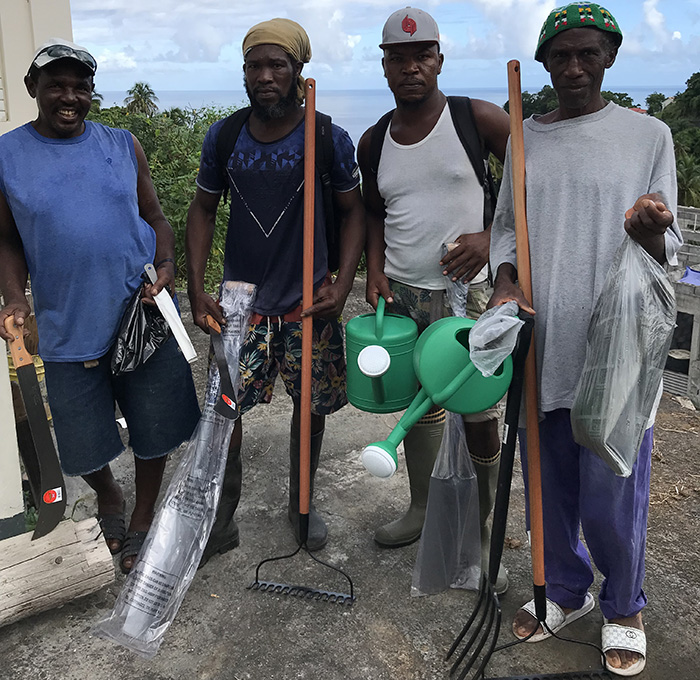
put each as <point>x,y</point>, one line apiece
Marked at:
<point>485,620</point>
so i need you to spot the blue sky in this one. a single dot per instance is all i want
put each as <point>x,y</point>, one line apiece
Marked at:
<point>176,45</point>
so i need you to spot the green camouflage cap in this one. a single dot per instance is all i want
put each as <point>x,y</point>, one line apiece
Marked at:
<point>577,15</point>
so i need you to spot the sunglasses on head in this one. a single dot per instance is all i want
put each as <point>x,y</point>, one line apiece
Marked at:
<point>61,51</point>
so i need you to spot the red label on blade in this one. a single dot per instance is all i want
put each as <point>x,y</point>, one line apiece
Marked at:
<point>227,400</point>
<point>53,495</point>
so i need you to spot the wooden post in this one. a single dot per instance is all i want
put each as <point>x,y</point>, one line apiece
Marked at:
<point>72,561</point>
<point>11,499</point>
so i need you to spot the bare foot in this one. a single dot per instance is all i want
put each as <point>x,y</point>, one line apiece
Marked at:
<point>524,623</point>
<point>621,658</point>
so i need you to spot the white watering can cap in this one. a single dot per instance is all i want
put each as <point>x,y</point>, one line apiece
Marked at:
<point>374,361</point>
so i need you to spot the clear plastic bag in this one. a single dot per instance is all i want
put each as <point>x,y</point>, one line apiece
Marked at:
<point>168,561</point>
<point>457,291</point>
<point>449,552</point>
<point>494,336</point>
<point>142,330</point>
<point>628,341</point>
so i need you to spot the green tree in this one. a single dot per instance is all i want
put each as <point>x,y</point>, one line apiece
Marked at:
<point>172,144</point>
<point>97,100</point>
<point>619,98</point>
<point>654,103</point>
<point>687,104</point>
<point>141,99</point>
<point>542,102</point>
<point>688,173</point>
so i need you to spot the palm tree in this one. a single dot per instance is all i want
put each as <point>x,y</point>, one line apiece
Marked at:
<point>97,100</point>
<point>141,99</point>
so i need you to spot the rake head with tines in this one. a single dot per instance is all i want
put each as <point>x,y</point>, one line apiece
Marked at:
<point>303,592</point>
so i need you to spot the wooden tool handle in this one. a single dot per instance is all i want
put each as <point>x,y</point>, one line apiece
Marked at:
<point>522,244</point>
<point>307,295</point>
<point>20,355</point>
<point>213,323</point>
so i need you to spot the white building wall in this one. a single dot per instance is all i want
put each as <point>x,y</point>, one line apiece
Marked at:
<point>24,25</point>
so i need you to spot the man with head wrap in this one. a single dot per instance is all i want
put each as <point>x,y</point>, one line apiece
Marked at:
<point>264,171</point>
<point>595,171</point>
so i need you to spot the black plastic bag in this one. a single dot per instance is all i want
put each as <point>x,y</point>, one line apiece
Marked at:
<point>142,330</point>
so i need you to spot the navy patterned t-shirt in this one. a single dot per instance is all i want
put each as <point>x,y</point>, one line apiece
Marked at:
<point>264,242</point>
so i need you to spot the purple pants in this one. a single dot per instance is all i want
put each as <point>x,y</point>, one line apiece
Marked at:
<point>580,490</point>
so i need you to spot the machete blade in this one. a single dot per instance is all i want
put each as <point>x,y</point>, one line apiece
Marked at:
<point>52,497</point>
<point>226,404</point>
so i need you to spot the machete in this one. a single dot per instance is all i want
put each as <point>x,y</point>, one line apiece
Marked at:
<point>51,501</point>
<point>226,404</point>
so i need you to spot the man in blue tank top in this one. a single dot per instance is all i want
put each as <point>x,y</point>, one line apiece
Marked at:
<point>80,218</point>
<point>424,192</point>
<point>264,171</point>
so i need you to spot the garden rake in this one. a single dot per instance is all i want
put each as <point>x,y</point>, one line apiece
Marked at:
<point>488,608</point>
<point>306,592</point>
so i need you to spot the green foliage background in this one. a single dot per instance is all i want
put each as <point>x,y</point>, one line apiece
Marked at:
<point>172,141</point>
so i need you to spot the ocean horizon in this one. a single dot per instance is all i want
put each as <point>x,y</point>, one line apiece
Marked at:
<point>355,110</point>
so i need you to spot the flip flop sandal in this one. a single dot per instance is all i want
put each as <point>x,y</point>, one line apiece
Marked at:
<point>113,528</point>
<point>132,546</point>
<point>555,619</point>
<point>624,638</point>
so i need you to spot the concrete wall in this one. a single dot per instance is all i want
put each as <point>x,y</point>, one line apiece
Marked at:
<point>24,25</point>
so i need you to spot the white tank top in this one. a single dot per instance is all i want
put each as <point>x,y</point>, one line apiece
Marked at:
<point>432,195</point>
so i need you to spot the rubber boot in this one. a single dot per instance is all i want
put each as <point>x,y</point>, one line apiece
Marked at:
<point>421,446</point>
<point>224,533</point>
<point>318,532</point>
<point>487,479</point>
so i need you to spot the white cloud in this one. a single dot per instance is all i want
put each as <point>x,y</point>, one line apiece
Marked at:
<point>110,62</point>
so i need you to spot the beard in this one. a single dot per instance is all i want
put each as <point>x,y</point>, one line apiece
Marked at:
<point>268,112</point>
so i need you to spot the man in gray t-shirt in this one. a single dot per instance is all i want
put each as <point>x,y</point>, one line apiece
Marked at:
<point>589,162</point>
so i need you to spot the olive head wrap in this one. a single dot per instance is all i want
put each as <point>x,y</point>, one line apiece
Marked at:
<point>284,33</point>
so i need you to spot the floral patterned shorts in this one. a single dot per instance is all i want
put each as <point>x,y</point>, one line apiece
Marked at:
<point>274,347</point>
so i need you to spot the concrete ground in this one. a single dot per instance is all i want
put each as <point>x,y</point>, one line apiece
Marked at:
<point>225,632</point>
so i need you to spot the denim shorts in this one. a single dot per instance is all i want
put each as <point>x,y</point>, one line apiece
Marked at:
<point>158,401</point>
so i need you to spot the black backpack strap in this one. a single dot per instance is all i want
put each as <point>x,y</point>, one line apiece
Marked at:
<point>325,156</point>
<point>376,141</point>
<point>468,133</point>
<point>226,140</point>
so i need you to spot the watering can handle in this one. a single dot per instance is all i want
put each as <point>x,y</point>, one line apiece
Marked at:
<point>379,318</point>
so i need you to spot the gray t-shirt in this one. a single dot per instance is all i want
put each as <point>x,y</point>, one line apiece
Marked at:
<point>582,174</point>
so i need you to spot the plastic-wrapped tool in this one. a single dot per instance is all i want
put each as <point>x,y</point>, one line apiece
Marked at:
<point>494,337</point>
<point>628,340</point>
<point>168,561</point>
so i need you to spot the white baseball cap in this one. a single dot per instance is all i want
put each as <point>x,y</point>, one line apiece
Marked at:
<point>409,25</point>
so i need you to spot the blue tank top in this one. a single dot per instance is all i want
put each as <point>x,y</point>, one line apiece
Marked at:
<point>76,208</point>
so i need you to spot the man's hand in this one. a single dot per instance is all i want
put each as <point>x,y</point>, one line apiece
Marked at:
<point>165,280</point>
<point>20,310</point>
<point>329,301</point>
<point>377,286</point>
<point>646,222</point>
<point>203,304</point>
<point>469,257</point>
<point>506,289</point>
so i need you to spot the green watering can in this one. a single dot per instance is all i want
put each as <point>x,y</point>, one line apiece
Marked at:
<point>380,347</point>
<point>448,379</point>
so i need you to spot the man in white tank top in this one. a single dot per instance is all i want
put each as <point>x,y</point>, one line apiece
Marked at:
<point>423,193</point>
